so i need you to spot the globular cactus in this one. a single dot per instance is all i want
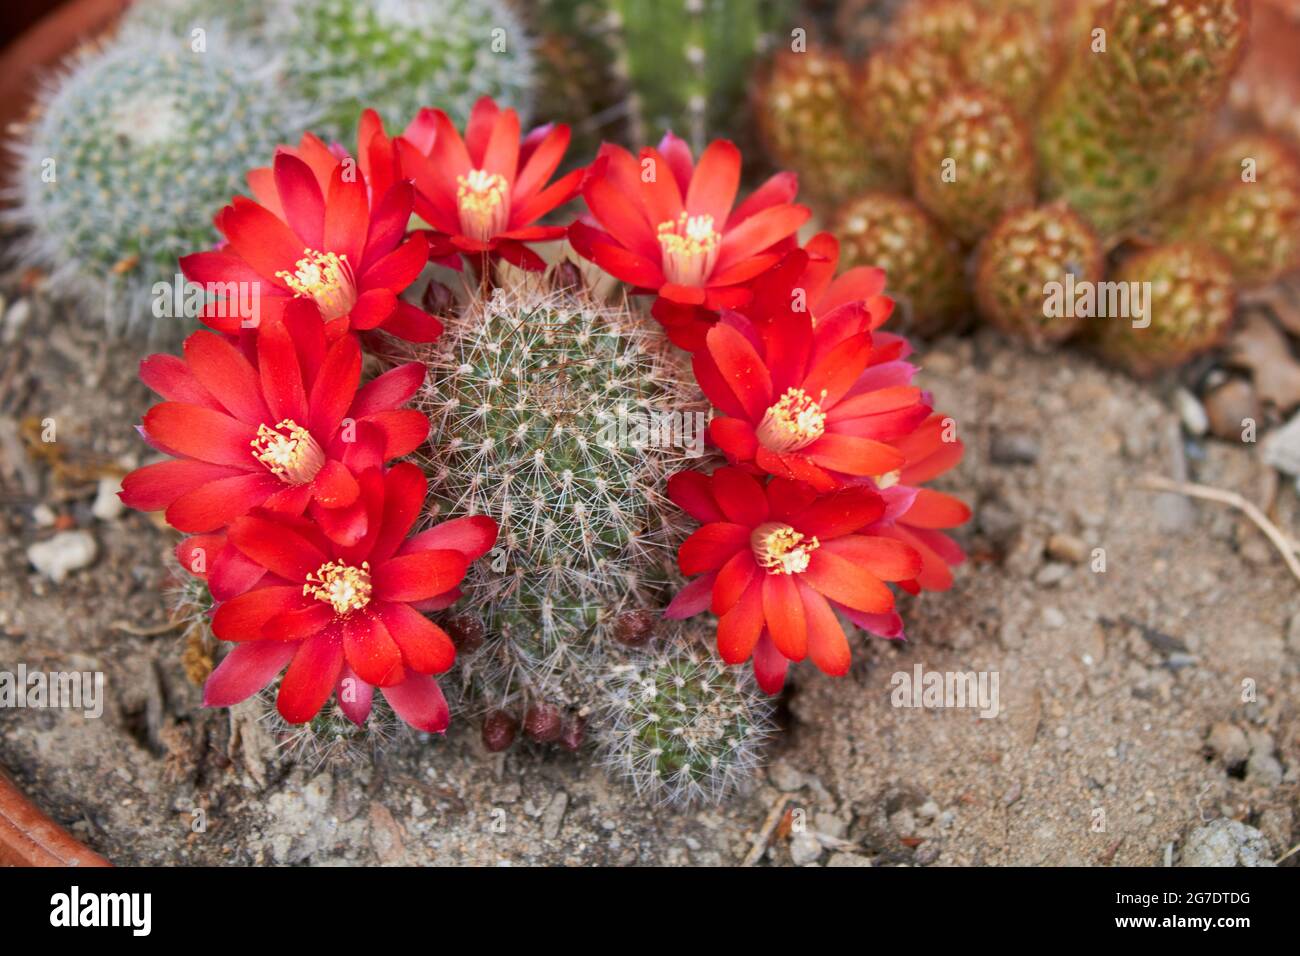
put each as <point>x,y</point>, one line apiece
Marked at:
<point>802,107</point>
<point>922,263</point>
<point>945,25</point>
<point>1024,252</point>
<point>331,738</point>
<point>679,725</point>
<point>687,62</point>
<point>972,162</point>
<point>130,150</point>
<point>1012,56</point>
<point>241,18</point>
<point>546,409</point>
<point>1189,309</point>
<point>901,87</point>
<point>397,56</point>
<point>1114,133</point>
<point>1247,206</point>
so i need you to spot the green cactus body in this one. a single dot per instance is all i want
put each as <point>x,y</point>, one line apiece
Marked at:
<point>807,126</point>
<point>945,25</point>
<point>1189,309</point>
<point>397,56</point>
<point>679,725</point>
<point>972,162</point>
<point>1115,131</point>
<point>131,151</point>
<point>331,738</point>
<point>535,411</point>
<point>243,18</point>
<point>1026,250</point>
<point>1011,56</point>
<point>923,267</point>
<point>687,63</point>
<point>1247,207</point>
<point>902,86</point>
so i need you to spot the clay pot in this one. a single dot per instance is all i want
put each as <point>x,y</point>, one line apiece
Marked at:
<point>29,838</point>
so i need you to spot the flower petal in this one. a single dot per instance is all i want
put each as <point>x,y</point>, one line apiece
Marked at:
<point>246,670</point>
<point>419,701</point>
<point>311,677</point>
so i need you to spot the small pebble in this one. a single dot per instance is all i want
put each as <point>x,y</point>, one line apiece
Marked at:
<point>1228,405</point>
<point>108,506</point>
<point>1067,548</point>
<point>62,554</point>
<point>1192,412</point>
<point>1013,448</point>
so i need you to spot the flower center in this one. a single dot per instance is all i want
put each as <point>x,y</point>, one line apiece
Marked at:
<point>288,451</point>
<point>325,277</point>
<point>690,245</point>
<point>794,422</point>
<point>782,550</point>
<point>483,203</point>
<point>889,479</point>
<point>340,585</point>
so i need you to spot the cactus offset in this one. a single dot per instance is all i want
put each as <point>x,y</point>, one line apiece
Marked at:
<point>922,264</point>
<point>945,25</point>
<point>972,162</point>
<point>1190,308</point>
<point>131,150</point>
<point>1011,56</point>
<point>1026,250</point>
<point>679,725</point>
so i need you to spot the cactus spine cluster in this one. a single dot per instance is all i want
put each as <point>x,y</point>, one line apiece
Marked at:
<point>130,150</point>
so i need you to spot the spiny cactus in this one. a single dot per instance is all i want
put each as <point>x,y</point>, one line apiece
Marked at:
<point>331,738</point>
<point>922,263</point>
<point>972,162</point>
<point>679,725</point>
<point>1247,207</point>
<point>130,151</point>
<point>535,410</point>
<point>946,25</point>
<point>806,124</point>
<point>902,85</point>
<point>242,18</point>
<point>396,56</point>
<point>687,62</point>
<point>1026,250</point>
<point>1010,55</point>
<point>1114,134</point>
<point>1189,308</point>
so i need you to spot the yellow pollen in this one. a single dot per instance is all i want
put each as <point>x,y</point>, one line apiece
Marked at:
<point>484,206</point>
<point>690,246</point>
<point>889,479</point>
<point>794,422</point>
<point>288,451</point>
<point>782,550</point>
<point>325,277</point>
<point>341,585</point>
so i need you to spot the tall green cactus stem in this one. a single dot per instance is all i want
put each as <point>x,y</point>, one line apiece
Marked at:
<point>1115,132</point>
<point>131,149</point>
<point>535,403</point>
<point>901,87</point>
<point>923,266</point>
<point>396,56</point>
<point>679,725</point>
<point>1247,207</point>
<point>1189,308</point>
<point>804,118</point>
<point>972,162</point>
<point>1027,250</point>
<point>687,62</point>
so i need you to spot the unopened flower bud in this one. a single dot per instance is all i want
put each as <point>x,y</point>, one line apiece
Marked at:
<point>499,730</point>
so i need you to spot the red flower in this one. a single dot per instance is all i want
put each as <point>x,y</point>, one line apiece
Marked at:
<point>346,617</point>
<point>798,404</point>
<point>669,225</point>
<point>286,431</point>
<point>776,563</point>
<point>316,233</point>
<point>483,194</point>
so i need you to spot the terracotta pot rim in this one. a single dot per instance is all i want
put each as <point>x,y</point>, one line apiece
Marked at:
<point>30,838</point>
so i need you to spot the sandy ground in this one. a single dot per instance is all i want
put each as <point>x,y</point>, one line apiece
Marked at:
<point>1110,683</point>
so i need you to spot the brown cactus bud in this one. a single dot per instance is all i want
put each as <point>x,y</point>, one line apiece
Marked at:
<point>437,298</point>
<point>634,628</point>
<point>499,730</point>
<point>542,722</point>
<point>567,275</point>
<point>573,732</point>
<point>466,632</point>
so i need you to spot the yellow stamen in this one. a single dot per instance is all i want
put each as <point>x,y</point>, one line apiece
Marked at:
<point>484,204</point>
<point>325,277</point>
<point>288,451</point>
<point>690,246</point>
<point>889,479</point>
<point>782,550</point>
<point>794,422</point>
<point>341,585</point>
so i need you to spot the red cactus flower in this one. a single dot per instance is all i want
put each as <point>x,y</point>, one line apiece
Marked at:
<point>347,618</point>
<point>287,431</point>
<point>798,404</point>
<point>483,195</point>
<point>776,563</point>
<point>317,233</point>
<point>669,225</point>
